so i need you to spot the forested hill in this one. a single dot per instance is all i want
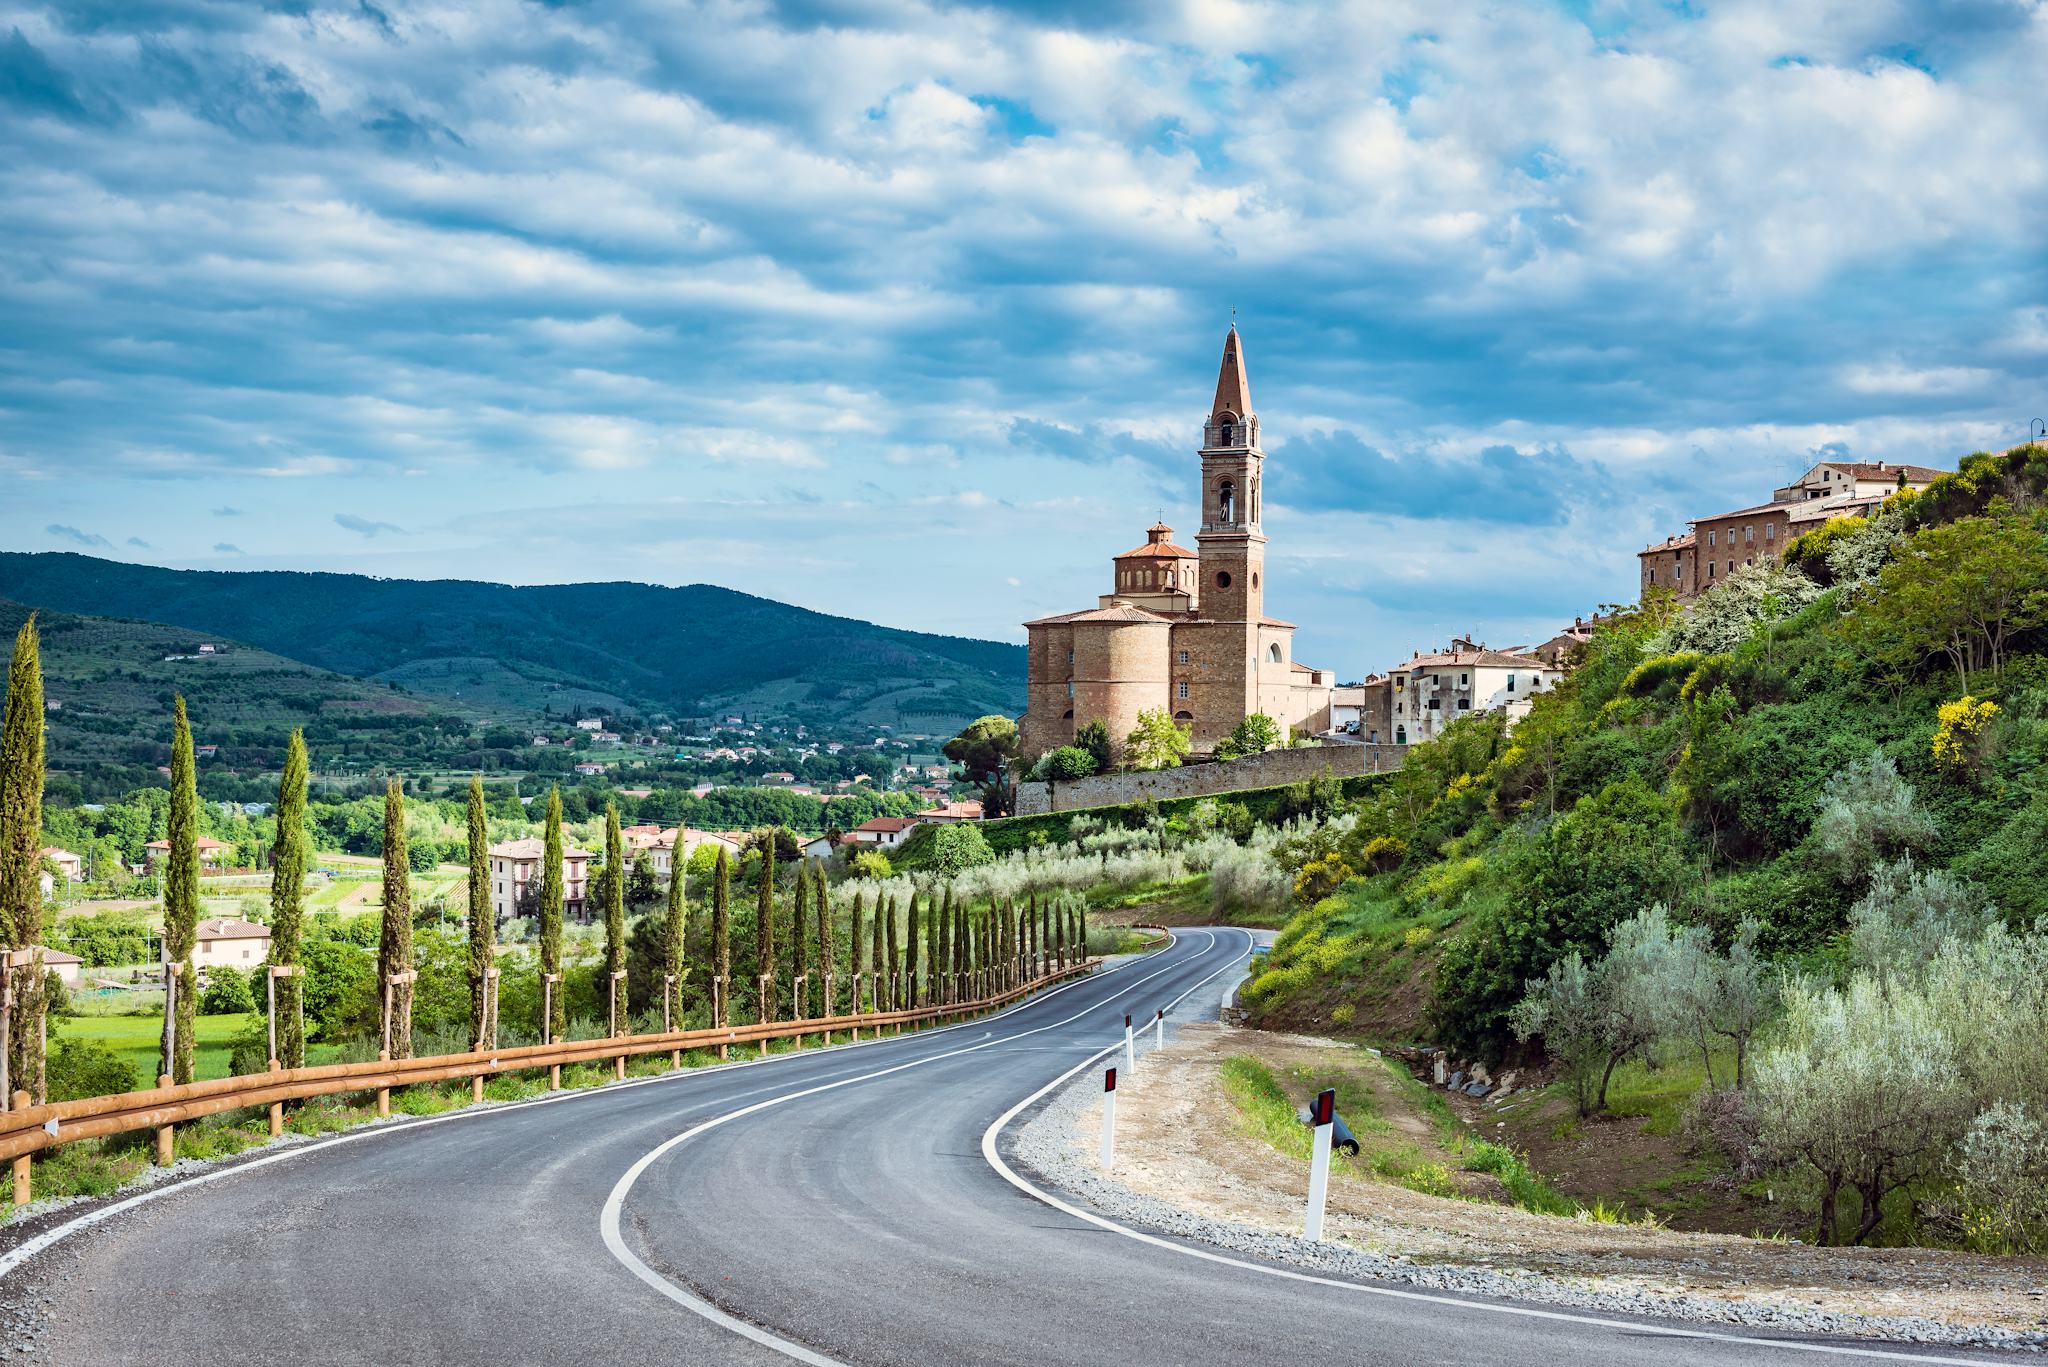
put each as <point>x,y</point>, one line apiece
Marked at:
<point>663,649</point>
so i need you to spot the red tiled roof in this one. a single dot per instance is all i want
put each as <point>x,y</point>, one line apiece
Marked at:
<point>1157,550</point>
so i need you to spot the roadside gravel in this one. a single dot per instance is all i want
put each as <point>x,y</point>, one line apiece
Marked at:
<point>1199,1180</point>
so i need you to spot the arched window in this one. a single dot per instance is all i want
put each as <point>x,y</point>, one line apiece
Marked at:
<point>1067,715</point>
<point>1183,716</point>
<point>1273,655</point>
<point>1226,502</point>
<point>1255,500</point>
<point>1400,735</point>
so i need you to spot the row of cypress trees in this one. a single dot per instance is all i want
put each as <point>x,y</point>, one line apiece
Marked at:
<point>933,952</point>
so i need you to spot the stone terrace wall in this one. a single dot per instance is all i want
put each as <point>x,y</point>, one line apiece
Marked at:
<point>1269,770</point>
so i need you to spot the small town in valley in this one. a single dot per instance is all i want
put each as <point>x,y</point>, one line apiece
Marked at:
<point>575,785</point>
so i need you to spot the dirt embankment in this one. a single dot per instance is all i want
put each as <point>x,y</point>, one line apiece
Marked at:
<point>1183,1141</point>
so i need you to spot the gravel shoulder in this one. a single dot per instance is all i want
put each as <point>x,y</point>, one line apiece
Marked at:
<point>1186,1166</point>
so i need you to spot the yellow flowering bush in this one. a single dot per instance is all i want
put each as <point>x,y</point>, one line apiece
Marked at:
<point>1961,724</point>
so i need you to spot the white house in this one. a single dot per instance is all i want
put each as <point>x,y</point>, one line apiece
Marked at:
<point>884,832</point>
<point>1431,691</point>
<point>235,944</point>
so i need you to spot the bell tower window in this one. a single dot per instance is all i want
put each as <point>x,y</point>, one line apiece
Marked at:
<point>1226,502</point>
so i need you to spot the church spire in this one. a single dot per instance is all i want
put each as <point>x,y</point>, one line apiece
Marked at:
<point>1233,390</point>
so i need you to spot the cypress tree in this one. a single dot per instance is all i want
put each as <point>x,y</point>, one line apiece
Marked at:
<point>822,897</point>
<point>721,935</point>
<point>896,959</point>
<point>614,919</point>
<point>878,949</point>
<point>672,926</point>
<point>912,995</point>
<point>799,942</point>
<point>288,900</point>
<point>483,921</point>
<point>857,932</point>
<point>1032,962</point>
<point>942,961</point>
<point>21,857</point>
<point>394,946</point>
<point>551,913</point>
<point>764,926</point>
<point>181,891</point>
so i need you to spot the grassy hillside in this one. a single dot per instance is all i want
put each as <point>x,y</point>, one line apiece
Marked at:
<point>1758,758</point>
<point>674,650</point>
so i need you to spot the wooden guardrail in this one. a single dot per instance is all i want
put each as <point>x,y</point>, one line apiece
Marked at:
<point>26,1129</point>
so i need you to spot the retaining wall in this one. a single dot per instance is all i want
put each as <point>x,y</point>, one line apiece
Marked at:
<point>1269,770</point>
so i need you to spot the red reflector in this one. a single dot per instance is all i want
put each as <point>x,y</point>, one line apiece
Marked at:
<point>1109,1081</point>
<point>1326,1106</point>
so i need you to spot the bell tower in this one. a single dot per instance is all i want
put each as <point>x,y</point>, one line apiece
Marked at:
<point>1232,542</point>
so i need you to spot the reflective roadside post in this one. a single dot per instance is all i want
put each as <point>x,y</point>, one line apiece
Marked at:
<point>1324,1118</point>
<point>1159,1030</point>
<point>1108,1120</point>
<point>1130,1048</point>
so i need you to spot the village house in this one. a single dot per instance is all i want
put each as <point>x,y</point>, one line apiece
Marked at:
<point>213,854</point>
<point>516,863</point>
<point>1428,692</point>
<point>883,832</point>
<point>1715,547</point>
<point>663,849</point>
<point>222,942</point>
<point>1183,630</point>
<point>69,867</point>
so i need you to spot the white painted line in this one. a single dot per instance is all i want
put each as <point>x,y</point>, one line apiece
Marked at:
<point>29,1248</point>
<point>1010,1175</point>
<point>609,1220</point>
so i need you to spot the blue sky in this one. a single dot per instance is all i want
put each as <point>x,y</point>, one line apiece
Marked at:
<point>911,312</point>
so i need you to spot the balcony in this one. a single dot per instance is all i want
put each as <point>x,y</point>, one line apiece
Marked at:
<point>1230,435</point>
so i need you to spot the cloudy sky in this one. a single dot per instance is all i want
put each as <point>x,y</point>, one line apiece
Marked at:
<point>911,311</point>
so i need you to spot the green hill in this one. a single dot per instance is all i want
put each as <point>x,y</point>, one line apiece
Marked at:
<point>640,647</point>
<point>109,683</point>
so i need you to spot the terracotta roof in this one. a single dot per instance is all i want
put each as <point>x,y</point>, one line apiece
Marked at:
<point>533,847</point>
<point>1156,550</point>
<point>1669,543</point>
<point>204,842</point>
<point>58,956</point>
<point>1300,668</point>
<point>1233,388</point>
<point>887,825</point>
<point>223,929</point>
<point>1275,622</point>
<point>1122,612</point>
<point>1884,469</point>
<point>1471,657</point>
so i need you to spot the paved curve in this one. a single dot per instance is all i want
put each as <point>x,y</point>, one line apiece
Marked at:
<point>839,1199</point>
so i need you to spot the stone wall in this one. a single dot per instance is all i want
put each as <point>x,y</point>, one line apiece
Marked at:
<point>1269,770</point>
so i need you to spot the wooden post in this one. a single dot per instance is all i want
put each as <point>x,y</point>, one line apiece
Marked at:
<point>718,1010</point>
<point>619,1064</point>
<point>21,1171</point>
<point>668,1024</point>
<point>384,1056</point>
<point>276,1107</point>
<point>164,1133</point>
<point>547,1024</point>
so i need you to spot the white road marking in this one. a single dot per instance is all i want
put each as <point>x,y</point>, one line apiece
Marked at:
<point>1009,1174</point>
<point>614,1206</point>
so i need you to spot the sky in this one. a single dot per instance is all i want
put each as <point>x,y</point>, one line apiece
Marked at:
<point>912,312</point>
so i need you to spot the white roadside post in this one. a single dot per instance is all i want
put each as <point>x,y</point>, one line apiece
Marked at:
<point>1130,1049</point>
<point>1159,1030</point>
<point>1108,1120</point>
<point>1324,1118</point>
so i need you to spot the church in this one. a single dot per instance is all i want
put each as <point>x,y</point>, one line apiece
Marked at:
<point>1184,630</point>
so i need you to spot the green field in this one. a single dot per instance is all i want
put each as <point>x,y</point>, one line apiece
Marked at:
<point>139,1039</point>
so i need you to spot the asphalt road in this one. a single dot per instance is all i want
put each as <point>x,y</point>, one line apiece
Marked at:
<point>836,1206</point>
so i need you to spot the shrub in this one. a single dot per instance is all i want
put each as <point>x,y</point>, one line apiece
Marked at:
<point>1870,815</point>
<point>1319,878</point>
<point>1384,852</point>
<point>958,846</point>
<point>1247,880</point>
<point>1068,762</point>
<point>80,1068</point>
<point>227,993</point>
<point>2003,1181</point>
<point>871,864</point>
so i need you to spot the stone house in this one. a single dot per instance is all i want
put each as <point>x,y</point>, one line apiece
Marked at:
<point>516,863</point>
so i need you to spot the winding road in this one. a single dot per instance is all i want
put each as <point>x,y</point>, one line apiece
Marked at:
<point>852,1205</point>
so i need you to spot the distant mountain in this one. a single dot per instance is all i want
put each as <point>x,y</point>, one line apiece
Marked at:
<point>678,651</point>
